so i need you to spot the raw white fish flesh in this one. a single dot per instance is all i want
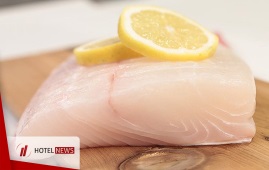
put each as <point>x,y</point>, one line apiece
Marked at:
<point>144,102</point>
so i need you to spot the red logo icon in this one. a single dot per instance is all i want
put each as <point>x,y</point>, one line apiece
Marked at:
<point>23,150</point>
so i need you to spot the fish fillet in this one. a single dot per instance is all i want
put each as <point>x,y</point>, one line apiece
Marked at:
<point>144,102</point>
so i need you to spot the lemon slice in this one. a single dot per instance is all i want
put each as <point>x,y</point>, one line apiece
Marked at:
<point>163,34</point>
<point>105,51</point>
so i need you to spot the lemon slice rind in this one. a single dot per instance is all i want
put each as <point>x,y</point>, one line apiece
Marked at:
<point>148,48</point>
<point>103,51</point>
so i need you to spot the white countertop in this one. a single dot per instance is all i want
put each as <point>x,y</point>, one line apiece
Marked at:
<point>52,25</point>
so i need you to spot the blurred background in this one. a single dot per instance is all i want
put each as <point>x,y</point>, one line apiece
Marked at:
<point>35,26</point>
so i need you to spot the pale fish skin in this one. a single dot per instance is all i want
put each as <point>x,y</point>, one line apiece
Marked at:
<point>141,102</point>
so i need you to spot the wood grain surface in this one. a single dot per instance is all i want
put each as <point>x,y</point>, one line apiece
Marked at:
<point>20,78</point>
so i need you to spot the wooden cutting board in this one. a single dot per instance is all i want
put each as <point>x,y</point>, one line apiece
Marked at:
<point>20,78</point>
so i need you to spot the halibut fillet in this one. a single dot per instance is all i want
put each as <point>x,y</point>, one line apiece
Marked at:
<point>143,102</point>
